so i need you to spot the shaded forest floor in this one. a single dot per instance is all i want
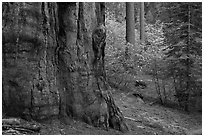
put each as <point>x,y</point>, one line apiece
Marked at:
<point>142,119</point>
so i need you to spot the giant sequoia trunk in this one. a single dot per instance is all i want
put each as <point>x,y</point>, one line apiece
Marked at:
<point>53,65</point>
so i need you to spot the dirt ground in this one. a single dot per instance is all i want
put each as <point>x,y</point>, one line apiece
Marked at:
<point>141,118</point>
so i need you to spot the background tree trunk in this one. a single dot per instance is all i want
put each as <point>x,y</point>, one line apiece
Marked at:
<point>130,23</point>
<point>142,29</point>
<point>48,64</point>
<point>164,91</point>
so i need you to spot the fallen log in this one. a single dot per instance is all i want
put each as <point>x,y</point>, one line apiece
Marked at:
<point>22,128</point>
<point>11,121</point>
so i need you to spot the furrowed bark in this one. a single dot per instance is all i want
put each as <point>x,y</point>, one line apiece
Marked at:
<point>50,66</point>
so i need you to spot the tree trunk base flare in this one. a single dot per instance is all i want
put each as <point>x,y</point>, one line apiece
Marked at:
<point>48,67</point>
<point>116,119</point>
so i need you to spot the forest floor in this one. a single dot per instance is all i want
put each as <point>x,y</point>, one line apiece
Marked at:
<point>144,118</point>
<point>141,118</point>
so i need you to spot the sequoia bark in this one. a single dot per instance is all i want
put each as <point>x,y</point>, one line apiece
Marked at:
<point>48,64</point>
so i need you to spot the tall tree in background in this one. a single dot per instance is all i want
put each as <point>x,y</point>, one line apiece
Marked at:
<point>142,29</point>
<point>53,57</point>
<point>184,34</point>
<point>130,23</point>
